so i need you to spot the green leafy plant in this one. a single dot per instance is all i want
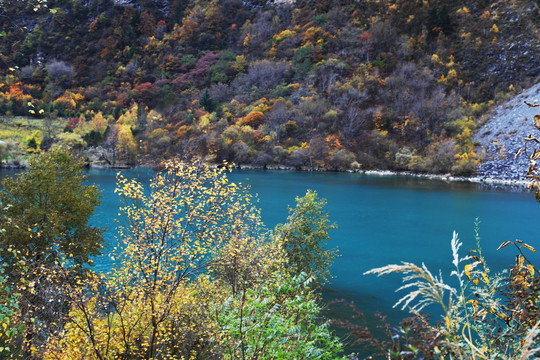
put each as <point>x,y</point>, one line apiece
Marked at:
<point>278,321</point>
<point>305,236</point>
<point>10,328</point>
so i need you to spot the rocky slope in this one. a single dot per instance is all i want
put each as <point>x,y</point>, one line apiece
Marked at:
<point>503,135</point>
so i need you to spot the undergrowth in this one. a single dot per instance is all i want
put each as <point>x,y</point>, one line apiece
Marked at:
<point>485,315</point>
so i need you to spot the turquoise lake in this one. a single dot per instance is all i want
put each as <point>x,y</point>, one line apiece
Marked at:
<point>381,220</point>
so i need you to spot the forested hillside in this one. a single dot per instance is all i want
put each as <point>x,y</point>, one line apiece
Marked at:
<point>389,84</point>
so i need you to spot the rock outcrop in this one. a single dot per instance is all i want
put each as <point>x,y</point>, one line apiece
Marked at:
<point>503,135</point>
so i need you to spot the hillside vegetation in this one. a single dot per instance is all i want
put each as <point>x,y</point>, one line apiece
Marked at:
<point>336,84</point>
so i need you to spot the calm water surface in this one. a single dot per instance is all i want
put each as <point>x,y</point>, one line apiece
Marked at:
<point>380,220</point>
<point>384,220</point>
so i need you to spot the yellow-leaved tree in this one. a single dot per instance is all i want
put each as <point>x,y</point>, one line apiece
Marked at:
<point>126,143</point>
<point>197,277</point>
<point>99,123</point>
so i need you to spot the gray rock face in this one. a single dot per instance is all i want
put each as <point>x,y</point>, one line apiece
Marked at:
<point>503,135</point>
<point>163,5</point>
<point>123,2</point>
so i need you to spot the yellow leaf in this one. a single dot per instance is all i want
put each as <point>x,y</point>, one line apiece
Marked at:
<point>529,247</point>
<point>468,270</point>
<point>486,279</point>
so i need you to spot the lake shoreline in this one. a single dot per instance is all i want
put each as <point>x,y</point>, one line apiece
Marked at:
<point>428,176</point>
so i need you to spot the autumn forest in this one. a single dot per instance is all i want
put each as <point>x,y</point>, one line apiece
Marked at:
<point>376,84</point>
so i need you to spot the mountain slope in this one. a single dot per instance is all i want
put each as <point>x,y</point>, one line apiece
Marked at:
<point>503,135</point>
<point>374,84</point>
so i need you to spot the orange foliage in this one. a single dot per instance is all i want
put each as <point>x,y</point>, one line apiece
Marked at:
<point>313,34</point>
<point>333,141</point>
<point>15,93</point>
<point>94,25</point>
<point>68,100</point>
<point>378,121</point>
<point>253,119</point>
<point>199,113</point>
<point>183,131</point>
<point>257,134</point>
<point>189,30</point>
